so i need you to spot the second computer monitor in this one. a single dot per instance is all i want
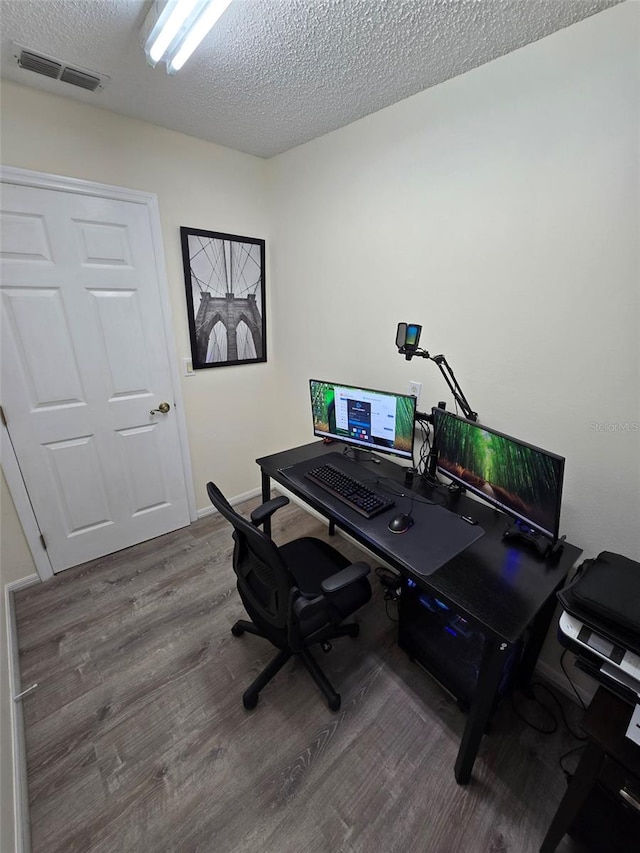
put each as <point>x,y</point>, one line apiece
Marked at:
<point>522,480</point>
<point>364,417</point>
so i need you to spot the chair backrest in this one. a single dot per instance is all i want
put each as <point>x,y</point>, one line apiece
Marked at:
<point>264,580</point>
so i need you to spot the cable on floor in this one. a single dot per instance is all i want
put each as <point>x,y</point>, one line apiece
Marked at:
<point>553,725</point>
<point>568,773</point>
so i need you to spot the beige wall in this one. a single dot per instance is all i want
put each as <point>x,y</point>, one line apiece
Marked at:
<point>16,561</point>
<point>500,210</point>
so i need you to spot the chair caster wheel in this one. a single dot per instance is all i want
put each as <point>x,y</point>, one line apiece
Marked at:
<point>249,702</point>
<point>236,631</point>
<point>334,704</point>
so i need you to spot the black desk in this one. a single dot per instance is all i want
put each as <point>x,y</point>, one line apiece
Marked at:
<point>503,589</point>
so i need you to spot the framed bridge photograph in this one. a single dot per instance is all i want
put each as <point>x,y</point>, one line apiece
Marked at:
<point>224,280</point>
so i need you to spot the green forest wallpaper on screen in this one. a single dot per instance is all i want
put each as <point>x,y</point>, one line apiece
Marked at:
<point>516,475</point>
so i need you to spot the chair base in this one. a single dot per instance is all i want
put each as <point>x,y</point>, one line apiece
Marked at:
<point>251,694</point>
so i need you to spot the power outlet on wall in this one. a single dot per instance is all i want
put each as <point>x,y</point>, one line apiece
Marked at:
<point>415,389</point>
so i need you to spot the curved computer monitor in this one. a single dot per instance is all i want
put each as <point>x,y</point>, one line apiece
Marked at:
<point>518,478</point>
<point>364,418</point>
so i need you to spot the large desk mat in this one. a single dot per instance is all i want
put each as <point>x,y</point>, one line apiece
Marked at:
<point>436,536</point>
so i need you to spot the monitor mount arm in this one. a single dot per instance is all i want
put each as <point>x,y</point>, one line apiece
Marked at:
<point>407,339</point>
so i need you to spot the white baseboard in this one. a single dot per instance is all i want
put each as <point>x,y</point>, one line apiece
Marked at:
<point>19,758</point>
<point>23,583</point>
<point>245,496</point>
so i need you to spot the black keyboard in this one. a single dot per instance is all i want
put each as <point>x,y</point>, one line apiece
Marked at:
<point>351,492</point>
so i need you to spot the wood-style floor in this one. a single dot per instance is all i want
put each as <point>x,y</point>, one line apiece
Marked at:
<point>137,740</point>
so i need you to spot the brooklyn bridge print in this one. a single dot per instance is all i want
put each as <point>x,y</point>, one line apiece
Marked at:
<point>224,279</point>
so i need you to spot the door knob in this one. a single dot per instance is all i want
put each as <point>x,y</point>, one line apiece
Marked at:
<point>163,408</point>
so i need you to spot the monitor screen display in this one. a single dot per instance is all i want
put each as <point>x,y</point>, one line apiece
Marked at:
<point>522,480</point>
<point>362,417</point>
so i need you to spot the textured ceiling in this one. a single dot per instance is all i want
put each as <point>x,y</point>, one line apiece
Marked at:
<point>273,74</point>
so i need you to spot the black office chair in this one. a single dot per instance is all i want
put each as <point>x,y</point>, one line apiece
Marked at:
<point>296,595</point>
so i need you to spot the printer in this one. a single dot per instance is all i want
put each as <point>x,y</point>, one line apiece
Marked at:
<point>600,622</point>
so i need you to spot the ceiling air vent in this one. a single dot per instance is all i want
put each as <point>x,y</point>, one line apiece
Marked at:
<point>57,70</point>
<point>39,64</point>
<point>80,78</point>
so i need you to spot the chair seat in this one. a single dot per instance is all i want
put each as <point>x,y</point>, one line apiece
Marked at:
<point>311,561</point>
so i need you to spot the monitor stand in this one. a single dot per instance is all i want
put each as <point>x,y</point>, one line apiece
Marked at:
<point>359,455</point>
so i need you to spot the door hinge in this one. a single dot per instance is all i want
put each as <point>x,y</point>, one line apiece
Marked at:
<point>42,541</point>
<point>2,417</point>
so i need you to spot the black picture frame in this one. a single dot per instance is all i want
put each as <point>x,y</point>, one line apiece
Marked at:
<point>224,278</point>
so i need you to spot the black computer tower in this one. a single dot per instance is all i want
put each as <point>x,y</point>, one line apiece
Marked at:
<point>447,645</point>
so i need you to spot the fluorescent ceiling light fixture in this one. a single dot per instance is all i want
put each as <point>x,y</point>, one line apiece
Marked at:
<point>174,29</point>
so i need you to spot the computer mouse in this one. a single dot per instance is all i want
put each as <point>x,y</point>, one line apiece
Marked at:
<point>400,523</point>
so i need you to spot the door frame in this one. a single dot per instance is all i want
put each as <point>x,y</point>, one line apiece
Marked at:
<point>10,466</point>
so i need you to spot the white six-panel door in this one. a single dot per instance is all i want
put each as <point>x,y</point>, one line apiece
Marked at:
<point>84,361</point>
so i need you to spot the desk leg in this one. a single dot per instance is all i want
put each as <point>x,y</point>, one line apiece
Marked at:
<point>266,494</point>
<point>539,628</point>
<point>575,795</point>
<point>481,708</point>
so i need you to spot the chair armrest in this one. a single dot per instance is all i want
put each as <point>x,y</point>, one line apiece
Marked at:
<point>266,510</point>
<point>345,577</point>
